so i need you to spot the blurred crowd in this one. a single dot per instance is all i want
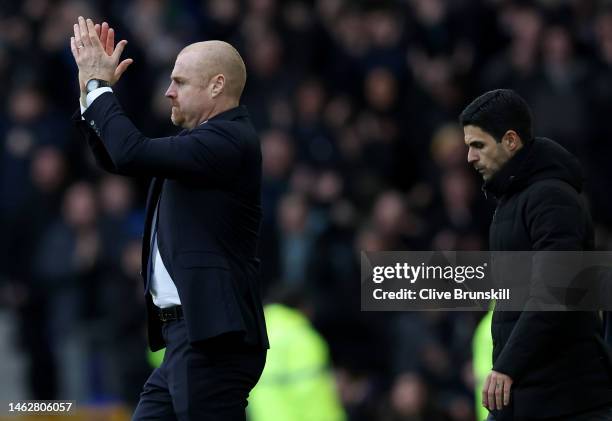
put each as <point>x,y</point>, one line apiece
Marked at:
<point>356,104</point>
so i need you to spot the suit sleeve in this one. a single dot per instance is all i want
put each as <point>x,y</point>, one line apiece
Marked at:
<point>556,221</point>
<point>100,154</point>
<point>208,152</point>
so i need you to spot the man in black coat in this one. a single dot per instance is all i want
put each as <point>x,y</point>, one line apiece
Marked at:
<point>203,216</point>
<point>546,365</point>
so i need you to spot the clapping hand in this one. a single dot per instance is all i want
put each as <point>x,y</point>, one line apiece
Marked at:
<point>107,39</point>
<point>95,54</point>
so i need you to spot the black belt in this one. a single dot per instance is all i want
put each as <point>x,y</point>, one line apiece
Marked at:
<point>169,314</point>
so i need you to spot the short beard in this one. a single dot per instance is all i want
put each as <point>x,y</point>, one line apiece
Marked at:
<point>176,120</point>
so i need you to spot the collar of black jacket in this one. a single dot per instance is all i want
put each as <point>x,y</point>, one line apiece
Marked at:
<point>502,180</point>
<point>231,114</point>
<point>541,159</point>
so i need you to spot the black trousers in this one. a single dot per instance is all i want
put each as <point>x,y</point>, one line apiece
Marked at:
<point>599,414</point>
<point>209,382</point>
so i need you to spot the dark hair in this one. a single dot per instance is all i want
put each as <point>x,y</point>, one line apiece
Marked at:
<point>498,111</point>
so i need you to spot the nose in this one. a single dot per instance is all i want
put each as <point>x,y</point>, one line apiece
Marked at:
<point>472,155</point>
<point>171,92</point>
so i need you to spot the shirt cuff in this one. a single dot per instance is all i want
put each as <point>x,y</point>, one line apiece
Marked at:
<point>91,97</point>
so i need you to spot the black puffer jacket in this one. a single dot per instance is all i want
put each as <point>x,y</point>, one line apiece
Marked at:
<point>557,360</point>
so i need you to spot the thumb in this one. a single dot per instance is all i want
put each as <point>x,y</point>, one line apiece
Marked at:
<point>119,49</point>
<point>122,67</point>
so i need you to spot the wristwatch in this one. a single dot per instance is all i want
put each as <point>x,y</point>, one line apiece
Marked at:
<point>95,84</point>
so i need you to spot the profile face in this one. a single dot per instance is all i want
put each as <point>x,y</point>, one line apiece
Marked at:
<point>187,92</point>
<point>485,154</point>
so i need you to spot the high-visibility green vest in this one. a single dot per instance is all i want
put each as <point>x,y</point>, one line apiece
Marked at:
<point>482,358</point>
<point>297,383</point>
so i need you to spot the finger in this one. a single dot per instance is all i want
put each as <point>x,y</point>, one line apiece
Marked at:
<point>100,33</point>
<point>507,388</point>
<point>104,37</point>
<point>122,67</point>
<point>95,40</point>
<point>491,394</point>
<point>77,35</point>
<point>73,48</point>
<point>110,41</point>
<point>485,391</point>
<point>85,40</point>
<point>499,389</point>
<point>119,49</point>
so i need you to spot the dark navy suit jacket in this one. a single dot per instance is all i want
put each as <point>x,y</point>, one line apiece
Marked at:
<point>208,184</point>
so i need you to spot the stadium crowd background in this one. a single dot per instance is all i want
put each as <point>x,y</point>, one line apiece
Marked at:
<point>356,103</point>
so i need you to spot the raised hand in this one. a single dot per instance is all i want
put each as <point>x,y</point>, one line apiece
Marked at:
<point>107,39</point>
<point>95,53</point>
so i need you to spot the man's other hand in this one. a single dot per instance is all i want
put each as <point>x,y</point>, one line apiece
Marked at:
<point>496,390</point>
<point>107,39</point>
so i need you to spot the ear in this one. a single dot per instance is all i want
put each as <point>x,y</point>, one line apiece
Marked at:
<point>512,141</point>
<point>218,84</point>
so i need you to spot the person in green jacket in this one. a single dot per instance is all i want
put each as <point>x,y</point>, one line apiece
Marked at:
<point>297,383</point>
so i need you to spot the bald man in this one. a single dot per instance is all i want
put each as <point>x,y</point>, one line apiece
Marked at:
<point>203,215</point>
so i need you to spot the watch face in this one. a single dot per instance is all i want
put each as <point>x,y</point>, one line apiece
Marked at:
<point>92,84</point>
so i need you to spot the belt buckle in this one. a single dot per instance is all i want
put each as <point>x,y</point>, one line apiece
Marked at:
<point>169,314</point>
<point>163,316</point>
